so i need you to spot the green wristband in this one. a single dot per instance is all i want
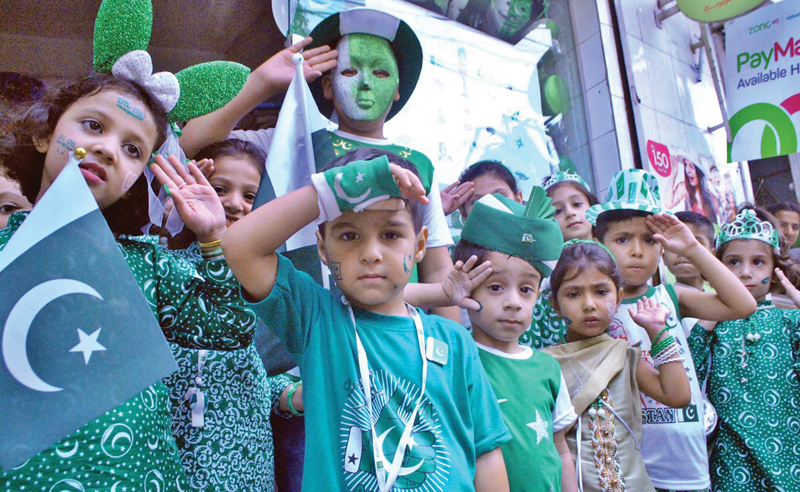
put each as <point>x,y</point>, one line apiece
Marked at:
<point>660,333</point>
<point>292,388</point>
<point>660,346</point>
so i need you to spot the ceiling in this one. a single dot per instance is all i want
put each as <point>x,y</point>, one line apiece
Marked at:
<point>54,38</point>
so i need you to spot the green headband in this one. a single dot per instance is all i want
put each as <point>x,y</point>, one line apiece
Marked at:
<point>527,232</point>
<point>591,241</point>
<point>747,226</point>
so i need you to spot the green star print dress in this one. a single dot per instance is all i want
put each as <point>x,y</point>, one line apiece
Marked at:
<point>753,383</point>
<point>131,448</point>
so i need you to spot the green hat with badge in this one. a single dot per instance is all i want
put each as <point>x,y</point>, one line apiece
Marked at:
<point>630,189</point>
<point>527,232</point>
<point>405,46</point>
<point>746,225</point>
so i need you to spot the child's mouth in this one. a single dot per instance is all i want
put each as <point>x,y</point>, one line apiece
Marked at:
<point>93,173</point>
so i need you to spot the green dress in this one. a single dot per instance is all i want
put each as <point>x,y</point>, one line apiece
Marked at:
<point>754,386</point>
<point>547,328</point>
<point>131,446</point>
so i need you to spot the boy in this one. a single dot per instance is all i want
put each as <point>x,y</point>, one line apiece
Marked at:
<point>632,224</point>
<point>788,214</point>
<point>535,401</point>
<point>393,396</point>
<point>373,72</point>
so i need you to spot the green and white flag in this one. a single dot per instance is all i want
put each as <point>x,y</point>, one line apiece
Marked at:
<point>78,337</point>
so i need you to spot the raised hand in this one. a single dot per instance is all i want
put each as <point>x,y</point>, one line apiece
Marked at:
<point>463,279</point>
<point>673,234</point>
<point>277,72</point>
<point>650,315</point>
<point>791,290</point>
<point>195,199</point>
<point>455,195</point>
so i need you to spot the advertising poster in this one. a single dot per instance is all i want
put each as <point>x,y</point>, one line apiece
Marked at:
<point>716,10</point>
<point>688,182</point>
<point>762,82</point>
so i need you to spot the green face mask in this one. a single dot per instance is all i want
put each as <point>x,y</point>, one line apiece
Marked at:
<point>366,78</point>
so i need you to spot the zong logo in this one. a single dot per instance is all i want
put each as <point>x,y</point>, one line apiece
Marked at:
<point>763,26</point>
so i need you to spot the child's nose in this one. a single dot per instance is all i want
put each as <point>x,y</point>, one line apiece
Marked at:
<point>103,148</point>
<point>233,203</point>
<point>371,251</point>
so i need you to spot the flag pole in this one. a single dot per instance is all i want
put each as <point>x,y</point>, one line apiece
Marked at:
<point>297,59</point>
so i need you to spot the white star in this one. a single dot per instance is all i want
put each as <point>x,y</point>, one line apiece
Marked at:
<point>411,443</point>
<point>88,344</point>
<point>540,426</point>
<point>359,177</point>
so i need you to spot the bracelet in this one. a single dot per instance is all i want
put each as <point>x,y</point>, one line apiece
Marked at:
<point>655,349</point>
<point>670,354</point>
<point>211,244</point>
<point>292,388</point>
<point>660,333</point>
<point>212,254</point>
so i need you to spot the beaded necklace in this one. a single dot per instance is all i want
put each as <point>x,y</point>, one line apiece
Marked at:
<point>604,444</point>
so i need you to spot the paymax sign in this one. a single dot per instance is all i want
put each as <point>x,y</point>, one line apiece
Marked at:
<point>762,82</point>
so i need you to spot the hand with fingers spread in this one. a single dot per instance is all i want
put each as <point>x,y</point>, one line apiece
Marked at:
<point>455,195</point>
<point>650,315</point>
<point>672,234</point>
<point>463,279</point>
<point>791,290</point>
<point>410,186</point>
<point>195,199</point>
<point>276,73</point>
<point>206,166</point>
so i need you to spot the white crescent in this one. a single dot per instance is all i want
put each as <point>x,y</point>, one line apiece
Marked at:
<point>15,333</point>
<point>70,453</point>
<point>337,186</point>
<point>114,487</point>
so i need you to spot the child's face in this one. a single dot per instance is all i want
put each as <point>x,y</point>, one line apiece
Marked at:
<point>118,133</point>
<point>507,298</point>
<point>11,200</point>
<point>587,301</point>
<point>571,206</point>
<point>488,184</point>
<point>681,267</point>
<point>750,260</point>
<point>790,225</point>
<point>236,181</point>
<point>366,79</point>
<point>371,255</point>
<point>634,249</point>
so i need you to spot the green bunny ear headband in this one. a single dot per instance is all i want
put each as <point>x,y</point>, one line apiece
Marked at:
<point>121,36</point>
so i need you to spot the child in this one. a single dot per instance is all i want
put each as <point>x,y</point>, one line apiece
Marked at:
<point>119,139</point>
<point>534,396</point>
<point>11,199</point>
<point>571,197</point>
<point>224,397</point>
<point>605,375</point>
<point>631,224</point>
<point>478,180</point>
<point>393,395</point>
<point>685,273</point>
<point>752,380</point>
<point>788,214</point>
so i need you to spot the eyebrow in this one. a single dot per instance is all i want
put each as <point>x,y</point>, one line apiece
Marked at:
<point>133,135</point>
<point>342,225</point>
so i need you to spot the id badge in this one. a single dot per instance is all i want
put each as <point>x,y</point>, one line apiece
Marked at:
<point>436,351</point>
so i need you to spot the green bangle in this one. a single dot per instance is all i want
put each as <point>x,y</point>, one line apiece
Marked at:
<point>660,333</point>
<point>663,344</point>
<point>292,388</point>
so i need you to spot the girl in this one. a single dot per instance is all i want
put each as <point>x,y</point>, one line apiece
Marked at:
<point>11,199</point>
<point>120,123</point>
<point>571,196</point>
<point>604,375</point>
<point>753,373</point>
<point>223,398</point>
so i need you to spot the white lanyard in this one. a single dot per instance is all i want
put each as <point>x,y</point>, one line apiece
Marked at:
<point>385,482</point>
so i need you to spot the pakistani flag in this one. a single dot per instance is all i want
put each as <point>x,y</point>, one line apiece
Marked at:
<point>78,337</point>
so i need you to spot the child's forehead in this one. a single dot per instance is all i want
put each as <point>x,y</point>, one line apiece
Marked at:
<point>631,226</point>
<point>503,264</point>
<point>367,219</point>
<point>748,247</point>
<point>788,216</point>
<point>701,233</point>
<point>565,190</point>
<point>128,109</point>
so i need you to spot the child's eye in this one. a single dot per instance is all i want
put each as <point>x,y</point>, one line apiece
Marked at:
<point>92,125</point>
<point>559,210</point>
<point>572,295</point>
<point>381,74</point>
<point>348,236</point>
<point>527,289</point>
<point>758,262</point>
<point>621,240</point>
<point>649,240</point>
<point>219,190</point>
<point>9,208</point>
<point>495,288</point>
<point>733,262</point>
<point>390,235</point>
<point>133,150</point>
<point>349,72</point>
<point>601,292</point>
<point>577,204</point>
<point>249,197</point>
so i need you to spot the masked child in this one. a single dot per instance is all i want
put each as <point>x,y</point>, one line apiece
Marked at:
<point>395,397</point>
<point>752,378</point>
<point>631,223</point>
<point>535,400</point>
<point>605,375</point>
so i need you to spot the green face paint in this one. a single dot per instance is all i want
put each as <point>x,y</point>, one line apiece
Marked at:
<point>366,77</point>
<point>765,281</point>
<point>405,267</point>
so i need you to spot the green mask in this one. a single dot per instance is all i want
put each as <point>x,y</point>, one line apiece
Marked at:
<point>366,77</point>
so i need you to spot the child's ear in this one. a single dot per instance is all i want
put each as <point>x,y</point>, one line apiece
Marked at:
<point>41,144</point>
<point>327,87</point>
<point>520,198</point>
<point>397,94</point>
<point>422,241</point>
<point>323,255</point>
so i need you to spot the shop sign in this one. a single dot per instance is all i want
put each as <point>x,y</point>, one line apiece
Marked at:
<point>716,10</point>
<point>762,82</point>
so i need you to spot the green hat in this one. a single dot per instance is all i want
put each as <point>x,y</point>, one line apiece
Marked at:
<point>561,176</point>
<point>630,189</point>
<point>402,39</point>
<point>527,232</point>
<point>747,226</point>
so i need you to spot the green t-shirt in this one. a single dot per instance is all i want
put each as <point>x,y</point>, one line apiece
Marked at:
<point>535,404</point>
<point>459,419</point>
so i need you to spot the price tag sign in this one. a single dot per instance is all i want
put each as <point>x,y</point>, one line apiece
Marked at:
<point>659,158</point>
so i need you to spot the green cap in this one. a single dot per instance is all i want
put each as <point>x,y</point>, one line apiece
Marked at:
<point>528,232</point>
<point>630,189</point>
<point>747,226</point>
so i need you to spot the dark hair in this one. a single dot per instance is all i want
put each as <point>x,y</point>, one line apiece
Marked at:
<point>464,250</point>
<point>606,219</point>
<point>233,147</point>
<point>705,195</point>
<point>782,260</point>
<point>370,153</point>
<point>576,258</point>
<point>494,168</point>
<point>784,207</point>
<point>37,122</point>
<point>700,220</point>
<point>590,197</point>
